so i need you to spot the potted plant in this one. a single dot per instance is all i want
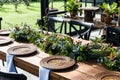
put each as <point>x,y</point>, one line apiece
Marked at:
<point>108,11</point>
<point>73,6</point>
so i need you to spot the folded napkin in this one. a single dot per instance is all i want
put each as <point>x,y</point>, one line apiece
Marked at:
<point>10,63</point>
<point>43,73</point>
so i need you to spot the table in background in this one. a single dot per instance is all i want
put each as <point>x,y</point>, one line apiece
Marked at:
<point>89,13</point>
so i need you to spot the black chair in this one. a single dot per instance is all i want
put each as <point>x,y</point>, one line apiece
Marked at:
<point>12,76</point>
<point>52,21</point>
<point>85,28</point>
<point>113,35</point>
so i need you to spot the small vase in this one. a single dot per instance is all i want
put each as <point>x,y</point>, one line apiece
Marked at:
<point>73,14</point>
<point>106,18</point>
<point>102,17</point>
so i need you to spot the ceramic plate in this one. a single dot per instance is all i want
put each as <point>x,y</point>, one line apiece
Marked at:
<point>22,49</point>
<point>57,62</point>
<point>5,40</point>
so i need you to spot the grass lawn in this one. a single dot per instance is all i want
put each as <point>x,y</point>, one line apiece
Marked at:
<point>24,15</point>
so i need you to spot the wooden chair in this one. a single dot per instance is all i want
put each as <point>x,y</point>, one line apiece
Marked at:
<point>52,21</point>
<point>85,29</point>
<point>12,76</point>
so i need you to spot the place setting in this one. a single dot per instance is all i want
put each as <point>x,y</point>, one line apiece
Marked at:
<point>20,50</point>
<point>5,40</point>
<point>5,32</point>
<point>109,75</point>
<point>55,63</point>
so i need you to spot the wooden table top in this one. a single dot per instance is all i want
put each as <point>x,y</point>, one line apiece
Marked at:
<point>31,63</point>
<point>66,18</point>
<point>90,8</point>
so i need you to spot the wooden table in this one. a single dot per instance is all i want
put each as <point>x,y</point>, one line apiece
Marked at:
<point>31,63</point>
<point>89,13</point>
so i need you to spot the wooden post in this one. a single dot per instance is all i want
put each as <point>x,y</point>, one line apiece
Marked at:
<point>44,9</point>
<point>0,22</point>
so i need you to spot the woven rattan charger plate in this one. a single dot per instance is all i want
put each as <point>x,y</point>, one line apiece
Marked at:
<point>4,32</point>
<point>22,49</point>
<point>5,40</point>
<point>57,62</point>
<point>108,75</point>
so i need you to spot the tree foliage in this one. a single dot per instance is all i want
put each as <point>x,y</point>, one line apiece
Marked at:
<point>2,2</point>
<point>15,3</point>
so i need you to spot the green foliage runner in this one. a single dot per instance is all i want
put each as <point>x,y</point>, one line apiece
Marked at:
<point>58,44</point>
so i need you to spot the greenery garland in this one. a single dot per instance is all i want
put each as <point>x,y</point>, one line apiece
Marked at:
<point>58,44</point>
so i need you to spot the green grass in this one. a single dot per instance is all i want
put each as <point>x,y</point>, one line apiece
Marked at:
<point>24,15</point>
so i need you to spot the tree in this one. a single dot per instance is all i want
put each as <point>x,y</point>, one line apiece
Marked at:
<point>26,2</point>
<point>16,3</point>
<point>2,2</point>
